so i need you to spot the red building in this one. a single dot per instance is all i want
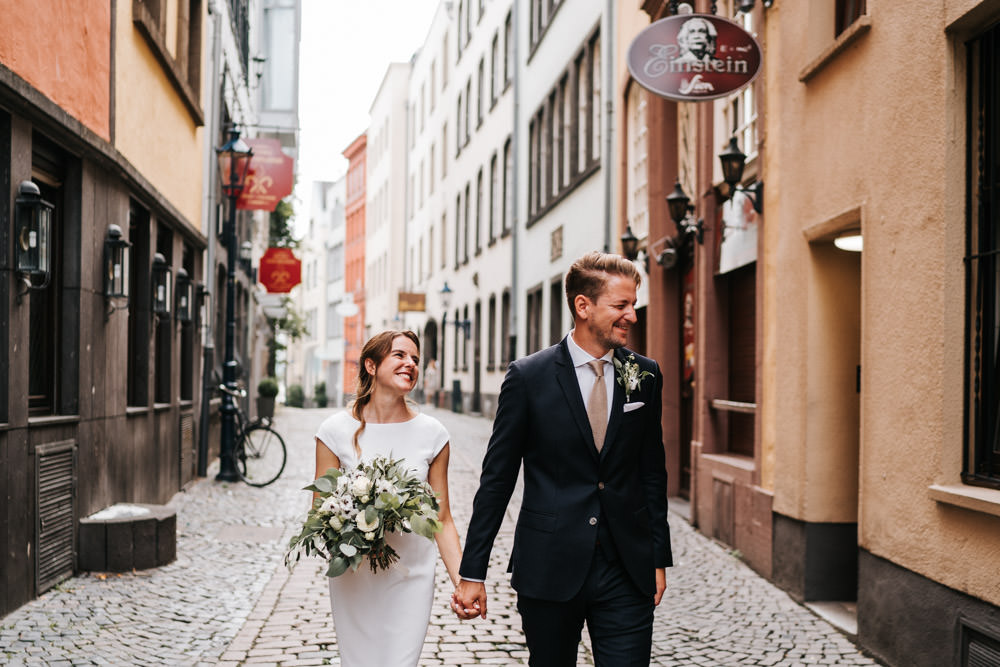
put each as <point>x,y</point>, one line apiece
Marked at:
<point>354,258</point>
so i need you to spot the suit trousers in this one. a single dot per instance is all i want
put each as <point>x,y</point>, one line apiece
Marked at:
<point>619,618</point>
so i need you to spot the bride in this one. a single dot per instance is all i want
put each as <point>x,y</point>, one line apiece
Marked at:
<point>381,618</point>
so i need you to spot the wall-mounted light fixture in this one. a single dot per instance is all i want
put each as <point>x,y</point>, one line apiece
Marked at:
<point>630,244</point>
<point>33,229</point>
<point>689,230</point>
<point>733,160</point>
<point>116,258</point>
<point>185,302</point>
<point>851,241</point>
<point>161,275</point>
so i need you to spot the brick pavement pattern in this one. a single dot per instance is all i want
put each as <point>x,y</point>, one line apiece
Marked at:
<point>228,600</point>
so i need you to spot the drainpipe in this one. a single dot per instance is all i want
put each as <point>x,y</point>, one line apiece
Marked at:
<point>208,213</point>
<point>514,172</point>
<point>607,54</point>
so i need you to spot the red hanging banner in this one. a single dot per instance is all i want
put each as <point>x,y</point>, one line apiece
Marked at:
<point>270,178</point>
<point>280,270</point>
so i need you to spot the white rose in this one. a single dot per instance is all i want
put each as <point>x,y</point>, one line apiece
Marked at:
<point>369,536</point>
<point>359,486</point>
<point>363,524</point>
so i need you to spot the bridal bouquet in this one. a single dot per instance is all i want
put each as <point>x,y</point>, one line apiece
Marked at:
<point>356,508</point>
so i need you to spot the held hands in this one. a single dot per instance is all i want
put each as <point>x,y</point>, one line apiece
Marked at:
<point>469,599</point>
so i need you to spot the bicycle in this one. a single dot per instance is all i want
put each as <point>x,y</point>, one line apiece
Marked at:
<point>259,450</point>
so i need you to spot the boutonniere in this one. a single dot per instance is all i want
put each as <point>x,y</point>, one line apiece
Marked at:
<point>629,375</point>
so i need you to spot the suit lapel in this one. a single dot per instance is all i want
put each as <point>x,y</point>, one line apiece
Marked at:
<point>566,377</point>
<point>617,406</point>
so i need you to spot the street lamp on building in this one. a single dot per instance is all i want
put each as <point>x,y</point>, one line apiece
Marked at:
<point>733,160</point>
<point>234,163</point>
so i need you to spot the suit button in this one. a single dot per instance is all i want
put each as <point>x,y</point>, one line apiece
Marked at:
<point>600,485</point>
<point>593,521</point>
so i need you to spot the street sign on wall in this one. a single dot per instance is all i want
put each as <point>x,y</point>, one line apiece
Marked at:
<point>280,270</point>
<point>693,57</point>
<point>270,178</point>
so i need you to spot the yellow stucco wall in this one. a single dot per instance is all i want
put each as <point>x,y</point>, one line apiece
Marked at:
<point>876,136</point>
<point>153,128</point>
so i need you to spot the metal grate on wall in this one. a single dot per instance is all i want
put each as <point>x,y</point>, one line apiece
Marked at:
<point>187,447</point>
<point>55,485</point>
<point>980,647</point>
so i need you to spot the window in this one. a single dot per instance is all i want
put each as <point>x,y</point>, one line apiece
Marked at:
<point>49,389</point>
<point>335,263</point>
<point>492,334</point>
<point>494,201</point>
<point>458,336</point>
<point>982,373</point>
<point>507,201</point>
<point>480,87</point>
<point>479,212</point>
<point>542,12</point>
<point>555,311</point>
<point>444,61</point>
<point>504,328</point>
<point>846,13</point>
<point>433,85</point>
<point>188,331</point>
<point>465,229</point>
<point>139,306</point>
<point>430,252</point>
<point>508,52</point>
<point>458,228</point>
<point>494,69</point>
<point>458,124</point>
<point>595,98</point>
<point>465,341</point>
<point>164,328</point>
<point>534,310</point>
<point>637,191</point>
<point>468,96</point>
<point>461,27</point>
<point>444,240</point>
<point>444,150</point>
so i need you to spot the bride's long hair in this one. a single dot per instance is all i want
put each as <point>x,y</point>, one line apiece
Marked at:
<point>377,349</point>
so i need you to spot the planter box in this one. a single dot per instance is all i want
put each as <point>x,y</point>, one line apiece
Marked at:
<point>124,537</point>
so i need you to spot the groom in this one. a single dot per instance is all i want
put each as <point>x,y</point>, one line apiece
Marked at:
<point>592,541</point>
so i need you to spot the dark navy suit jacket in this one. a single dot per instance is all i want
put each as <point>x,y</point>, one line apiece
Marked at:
<point>569,488</point>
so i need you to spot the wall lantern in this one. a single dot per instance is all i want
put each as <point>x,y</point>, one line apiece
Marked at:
<point>630,244</point>
<point>234,162</point>
<point>733,160</point>
<point>446,293</point>
<point>161,285</point>
<point>851,241</point>
<point>184,289</point>
<point>33,227</point>
<point>116,257</point>
<point>689,230</point>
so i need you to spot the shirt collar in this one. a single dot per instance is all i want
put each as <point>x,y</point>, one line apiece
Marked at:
<point>579,356</point>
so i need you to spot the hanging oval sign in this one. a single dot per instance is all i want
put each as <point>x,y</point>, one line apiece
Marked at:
<point>692,57</point>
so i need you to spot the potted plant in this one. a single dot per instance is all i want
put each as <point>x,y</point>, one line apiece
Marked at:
<point>319,395</point>
<point>267,390</point>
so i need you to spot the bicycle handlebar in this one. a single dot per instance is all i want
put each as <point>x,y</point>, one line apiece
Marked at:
<point>239,392</point>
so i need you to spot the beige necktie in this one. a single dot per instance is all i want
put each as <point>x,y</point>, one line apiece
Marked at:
<point>597,404</point>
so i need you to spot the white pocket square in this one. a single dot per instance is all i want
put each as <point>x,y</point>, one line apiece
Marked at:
<point>629,407</point>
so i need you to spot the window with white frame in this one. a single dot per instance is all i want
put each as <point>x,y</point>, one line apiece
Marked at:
<point>637,191</point>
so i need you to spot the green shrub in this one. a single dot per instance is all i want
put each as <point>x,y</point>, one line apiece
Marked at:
<point>319,395</point>
<point>268,387</point>
<point>296,398</point>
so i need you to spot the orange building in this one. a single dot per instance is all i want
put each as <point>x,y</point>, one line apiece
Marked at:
<point>354,258</point>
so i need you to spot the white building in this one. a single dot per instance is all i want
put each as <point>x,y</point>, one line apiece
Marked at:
<point>385,220</point>
<point>563,204</point>
<point>318,356</point>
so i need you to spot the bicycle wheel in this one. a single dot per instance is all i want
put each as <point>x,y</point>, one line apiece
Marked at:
<point>260,455</point>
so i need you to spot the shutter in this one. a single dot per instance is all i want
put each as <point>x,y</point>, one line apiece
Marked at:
<point>979,649</point>
<point>187,448</point>
<point>55,466</point>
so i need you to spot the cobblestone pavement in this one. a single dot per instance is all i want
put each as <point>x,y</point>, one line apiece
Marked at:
<point>228,600</point>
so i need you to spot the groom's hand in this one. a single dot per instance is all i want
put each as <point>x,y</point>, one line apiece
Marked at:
<point>470,598</point>
<point>661,585</point>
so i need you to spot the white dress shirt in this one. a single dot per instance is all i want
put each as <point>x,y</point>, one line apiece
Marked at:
<point>585,374</point>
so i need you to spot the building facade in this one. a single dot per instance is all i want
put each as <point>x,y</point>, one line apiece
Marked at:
<point>829,413</point>
<point>354,260</point>
<point>98,392</point>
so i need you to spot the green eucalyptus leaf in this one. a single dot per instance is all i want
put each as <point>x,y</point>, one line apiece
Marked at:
<point>338,566</point>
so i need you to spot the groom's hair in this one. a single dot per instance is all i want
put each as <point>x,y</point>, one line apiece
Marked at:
<point>589,275</point>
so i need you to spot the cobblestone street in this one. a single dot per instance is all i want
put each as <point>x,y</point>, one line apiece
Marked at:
<point>227,599</point>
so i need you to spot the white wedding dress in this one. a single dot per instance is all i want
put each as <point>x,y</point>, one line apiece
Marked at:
<point>381,618</point>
